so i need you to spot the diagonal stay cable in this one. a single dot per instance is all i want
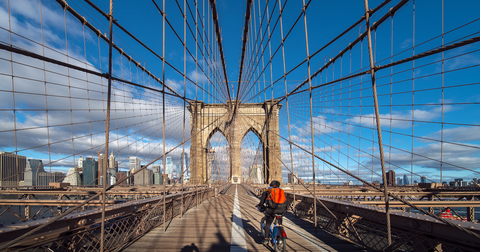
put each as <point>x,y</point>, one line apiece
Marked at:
<point>219,42</point>
<point>98,33</point>
<point>136,39</point>
<point>279,158</point>
<point>390,194</point>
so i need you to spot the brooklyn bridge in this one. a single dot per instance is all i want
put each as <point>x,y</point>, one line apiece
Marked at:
<point>156,125</point>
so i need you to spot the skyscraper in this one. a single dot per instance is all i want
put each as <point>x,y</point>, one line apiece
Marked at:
<point>31,172</point>
<point>292,178</point>
<point>405,180</point>
<point>185,164</point>
<point>90,172</point>
<point>80,162</point>
<point>144,177</point>
<point>423,179</point>
<point>12,168</point>
<point>390,178</point>
<point>112,161</point>
<point>112,170</point>
<point>169,167</point>
<point>44,178</point>
<point>101,164</point>
<point>134,164</point>
<point>73,177</point>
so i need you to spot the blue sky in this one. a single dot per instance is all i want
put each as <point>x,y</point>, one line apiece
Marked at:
<point>342,113</point>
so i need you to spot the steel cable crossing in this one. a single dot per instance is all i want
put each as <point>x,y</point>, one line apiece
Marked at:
<point>333,138</point>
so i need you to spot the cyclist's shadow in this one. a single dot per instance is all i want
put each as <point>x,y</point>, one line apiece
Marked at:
<point>254,233</point>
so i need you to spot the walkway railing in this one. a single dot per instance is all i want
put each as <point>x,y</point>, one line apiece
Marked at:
<point>124,223</point>
<point>366,225</point>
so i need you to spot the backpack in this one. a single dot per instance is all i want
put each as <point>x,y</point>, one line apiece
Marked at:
<point>276,198</point>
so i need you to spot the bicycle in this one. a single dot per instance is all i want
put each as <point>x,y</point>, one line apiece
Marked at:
<point>278,237</point>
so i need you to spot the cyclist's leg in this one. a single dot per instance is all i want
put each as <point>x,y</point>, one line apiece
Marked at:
<point>268,223</point>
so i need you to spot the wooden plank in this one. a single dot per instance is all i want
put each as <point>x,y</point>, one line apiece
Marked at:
<point>209,228</point>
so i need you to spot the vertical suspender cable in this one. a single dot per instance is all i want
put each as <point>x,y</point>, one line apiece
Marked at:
<point>107,128</point>
<point>184,93</point>
<point>286,98</point>
<point>163,115</point>
<point>311,118</point>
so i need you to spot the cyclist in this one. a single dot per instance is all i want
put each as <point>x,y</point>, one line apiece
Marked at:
<point>276,204</point>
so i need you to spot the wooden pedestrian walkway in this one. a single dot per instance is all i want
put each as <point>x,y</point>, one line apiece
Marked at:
<point>231,223</point>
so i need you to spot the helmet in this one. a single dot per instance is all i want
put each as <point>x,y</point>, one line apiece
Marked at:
<point>275,184</point>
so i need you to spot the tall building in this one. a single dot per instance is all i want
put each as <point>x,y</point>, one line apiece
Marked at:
<point>391,178</point>
<point>101,164</point>
<point>131,179</point>
<point>157,178</point>
<point>169,167</point>
<point>12,168</point>
<point>90,172</point>
<point>31,171</point>
<point>178,170</point>
<point>112,162</point>
<point>80,161</point>
<point>405,180</point>
<point>423,179</point>
<point>292,179</point>
<point>185,164</point>
<point>156,169</point>
<point>111,176</point>
<point>112,170</point>
<point>73,177</point>
<point>121,175</point>
<point>134,163</point>
<point>45,178</point>
<point>144,177</point>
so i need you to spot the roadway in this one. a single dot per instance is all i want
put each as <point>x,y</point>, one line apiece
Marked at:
<point>230,222</point>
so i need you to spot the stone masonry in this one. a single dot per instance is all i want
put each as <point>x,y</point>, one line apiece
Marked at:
<point>207,119</point>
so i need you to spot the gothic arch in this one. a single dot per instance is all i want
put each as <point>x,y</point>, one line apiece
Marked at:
<point>212,132</point>
<point>255,131</point>
<point>260,118</point>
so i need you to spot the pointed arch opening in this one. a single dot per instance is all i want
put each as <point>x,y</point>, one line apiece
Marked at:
<point>217,157</point>
<point>252,157</point>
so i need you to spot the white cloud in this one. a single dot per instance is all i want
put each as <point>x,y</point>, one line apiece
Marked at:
<point>401,119</point>
<point>454,157</point>
<point>458,134</point>
<point>136,116</point>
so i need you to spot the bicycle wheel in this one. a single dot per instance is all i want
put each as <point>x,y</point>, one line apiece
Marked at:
<point>280,245</point>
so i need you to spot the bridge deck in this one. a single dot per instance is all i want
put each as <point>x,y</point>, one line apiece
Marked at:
<point>209,228</point>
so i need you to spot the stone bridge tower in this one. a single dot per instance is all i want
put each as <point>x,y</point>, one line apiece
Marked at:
<point>260,118</point>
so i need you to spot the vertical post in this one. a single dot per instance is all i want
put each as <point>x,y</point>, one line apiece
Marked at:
<point>107,128</point>
<point>471,211</point>
<point>184,93</point>
<point>431,209</point>
<point>377,118</point>
<point>286,99</point>
<point>311,118</point>
<point>163,115</point>
<point>28,208</point>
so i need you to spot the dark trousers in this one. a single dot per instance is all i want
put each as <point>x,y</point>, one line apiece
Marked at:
<point>268,223</point>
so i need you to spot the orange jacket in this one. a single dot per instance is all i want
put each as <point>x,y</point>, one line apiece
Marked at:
<point>277,195</point>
